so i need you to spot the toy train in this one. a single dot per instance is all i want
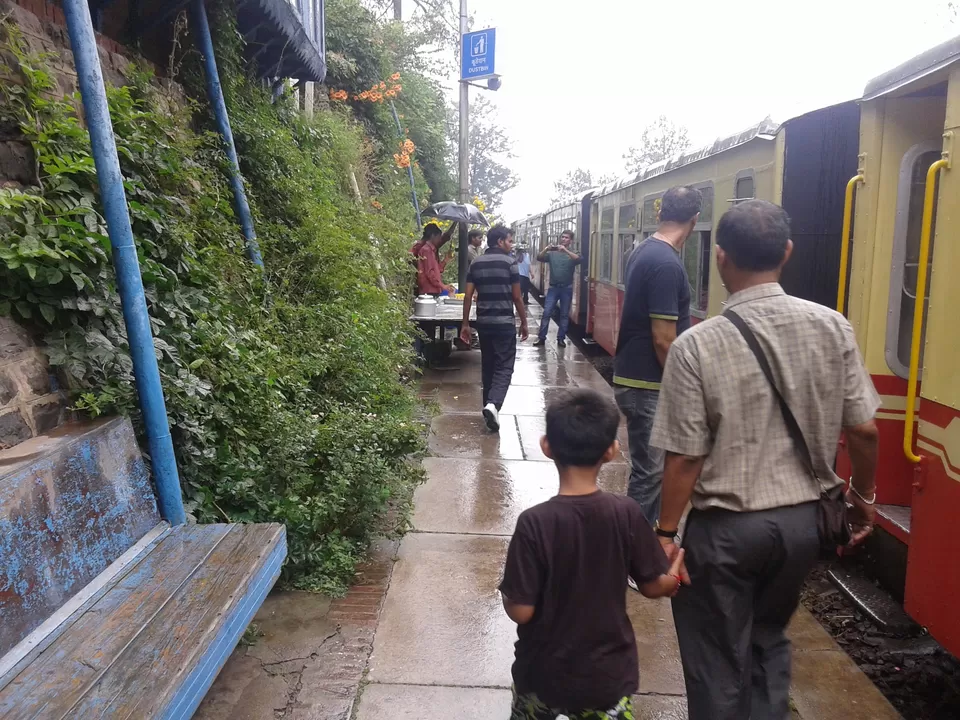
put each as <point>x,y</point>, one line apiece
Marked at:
<point>873,191</point>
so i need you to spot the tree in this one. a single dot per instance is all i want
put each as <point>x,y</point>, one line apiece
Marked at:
<point>661,139</point>
<point>490,148</point>
<point>577,181</point>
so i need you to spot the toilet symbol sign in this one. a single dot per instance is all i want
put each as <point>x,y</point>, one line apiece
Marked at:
<point>477,54</point>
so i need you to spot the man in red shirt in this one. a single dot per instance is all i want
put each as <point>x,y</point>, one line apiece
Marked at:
<point>429,266</point>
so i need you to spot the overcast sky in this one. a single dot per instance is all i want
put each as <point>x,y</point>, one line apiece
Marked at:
<point>581,79</point>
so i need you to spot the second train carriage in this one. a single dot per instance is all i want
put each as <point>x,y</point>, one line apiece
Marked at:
<point>802,165</point>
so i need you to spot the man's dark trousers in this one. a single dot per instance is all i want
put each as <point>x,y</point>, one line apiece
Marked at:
<point>498,353</point>
<point>746,573</point>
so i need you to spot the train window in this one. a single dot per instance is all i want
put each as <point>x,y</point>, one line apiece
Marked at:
<point>626,247</point>
<point>706,209</point>
<point>651,213</point>
<point>696,261</point>
<point>628,217</point>
<point>606,257</point>
<point>606,219</point>
<point>744,188</point>
<point>906,257</point>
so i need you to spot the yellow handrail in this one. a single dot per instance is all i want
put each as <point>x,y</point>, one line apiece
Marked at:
<point>845,240</point>
<point>926,227</point>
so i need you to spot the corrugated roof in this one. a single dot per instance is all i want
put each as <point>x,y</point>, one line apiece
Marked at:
<point>766,129</point>
<point>915,69</point>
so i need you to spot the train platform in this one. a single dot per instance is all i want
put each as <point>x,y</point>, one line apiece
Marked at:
<point>443,646</point>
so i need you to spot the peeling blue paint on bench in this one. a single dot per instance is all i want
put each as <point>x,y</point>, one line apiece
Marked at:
<point>71,503</point>
<point>188,698</point>
<point>152,644</point>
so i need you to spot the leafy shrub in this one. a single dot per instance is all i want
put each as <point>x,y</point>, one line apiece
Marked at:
<point>284,389</point>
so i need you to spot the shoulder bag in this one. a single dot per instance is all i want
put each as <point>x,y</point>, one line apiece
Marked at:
<point>832,526</point>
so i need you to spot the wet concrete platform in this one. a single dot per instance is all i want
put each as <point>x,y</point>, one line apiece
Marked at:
<point>443,645</point>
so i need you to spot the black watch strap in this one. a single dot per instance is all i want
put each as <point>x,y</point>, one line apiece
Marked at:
<point>669,534</point>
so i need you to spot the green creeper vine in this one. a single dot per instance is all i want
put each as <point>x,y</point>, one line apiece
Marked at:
<point>292,410</point>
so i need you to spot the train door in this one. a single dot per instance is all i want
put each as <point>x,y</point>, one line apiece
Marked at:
<point>933,573</point>
<point>583,237</point>
<point>902,300</point>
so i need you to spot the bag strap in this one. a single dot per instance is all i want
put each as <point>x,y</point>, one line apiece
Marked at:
<point>793,427</point>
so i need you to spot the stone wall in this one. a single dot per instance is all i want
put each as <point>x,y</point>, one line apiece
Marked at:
<point>30,401</point>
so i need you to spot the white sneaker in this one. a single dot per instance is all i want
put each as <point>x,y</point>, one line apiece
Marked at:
<point>632,584</point>
<point>492,417</point>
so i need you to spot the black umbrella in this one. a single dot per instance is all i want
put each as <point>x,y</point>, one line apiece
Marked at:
<point>458,212</point>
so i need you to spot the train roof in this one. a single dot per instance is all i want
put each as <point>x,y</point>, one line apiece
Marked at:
<point>765,129</point>
<point>578,198</point>
<point>917,68</point>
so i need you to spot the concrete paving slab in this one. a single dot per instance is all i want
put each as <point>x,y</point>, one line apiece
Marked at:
<point>807,634</point>
<point>416,702</point>
<point>533,427</point>
<point>443,622</point>
<point>527,400</point>
<point>659,707</point>
<point>526,372</point>
<point>828,684</point>
<point>466,436</point>
<point>454,397</point>
<point>660,669</point>
<point>487,496</point>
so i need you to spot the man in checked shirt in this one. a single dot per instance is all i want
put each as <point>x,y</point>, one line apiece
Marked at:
<point>751,537</point>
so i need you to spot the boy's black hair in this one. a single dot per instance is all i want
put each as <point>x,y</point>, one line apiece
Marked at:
<point>431,230</point>
<point>581,426</point>
<point>568,233</point>
<point>474,234</point>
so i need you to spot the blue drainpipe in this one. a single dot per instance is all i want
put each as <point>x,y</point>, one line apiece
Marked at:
<point>413,185</point>
<point>201,28</point>
<point>130,285</point>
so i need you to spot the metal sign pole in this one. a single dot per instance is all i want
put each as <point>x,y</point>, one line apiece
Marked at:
<point>463,255</point>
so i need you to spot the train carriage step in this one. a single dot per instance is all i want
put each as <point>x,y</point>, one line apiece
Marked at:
<point>872,600</point>
<point>149,643</point>
<point>895,519</point>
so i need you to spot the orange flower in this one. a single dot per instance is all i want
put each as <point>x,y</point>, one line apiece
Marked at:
<point>377,205</point>
<point>383,86</point>
<point>395,77</point>
<point>408,146</point>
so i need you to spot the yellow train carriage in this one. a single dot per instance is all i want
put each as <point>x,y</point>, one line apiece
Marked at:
<point>906,228</point>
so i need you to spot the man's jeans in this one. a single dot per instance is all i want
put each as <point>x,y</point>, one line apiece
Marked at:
<point>563,296</point>
<point>646,476</point>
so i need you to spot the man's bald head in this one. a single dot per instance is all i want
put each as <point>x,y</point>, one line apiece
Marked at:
<point>680,204</point>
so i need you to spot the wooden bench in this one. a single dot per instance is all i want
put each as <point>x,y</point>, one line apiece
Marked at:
<point>107,611</point>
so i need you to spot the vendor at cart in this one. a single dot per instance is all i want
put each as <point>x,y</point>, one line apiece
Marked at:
<point>429,265</point>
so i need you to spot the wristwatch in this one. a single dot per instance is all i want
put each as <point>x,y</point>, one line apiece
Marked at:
<point>669,534</point>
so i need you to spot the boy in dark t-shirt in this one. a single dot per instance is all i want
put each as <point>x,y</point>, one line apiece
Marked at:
<point>565,578</point>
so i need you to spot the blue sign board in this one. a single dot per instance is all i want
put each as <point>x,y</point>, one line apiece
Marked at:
<point>477,54</point>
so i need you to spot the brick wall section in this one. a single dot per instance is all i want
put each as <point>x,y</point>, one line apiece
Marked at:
<point>44,28</point>
<point>30,403</point>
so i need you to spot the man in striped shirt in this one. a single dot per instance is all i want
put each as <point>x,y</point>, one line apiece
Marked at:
<point>496,280</point>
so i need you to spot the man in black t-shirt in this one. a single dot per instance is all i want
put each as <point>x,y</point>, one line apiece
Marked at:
<point>656,308</point>
<point>564,583</point>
